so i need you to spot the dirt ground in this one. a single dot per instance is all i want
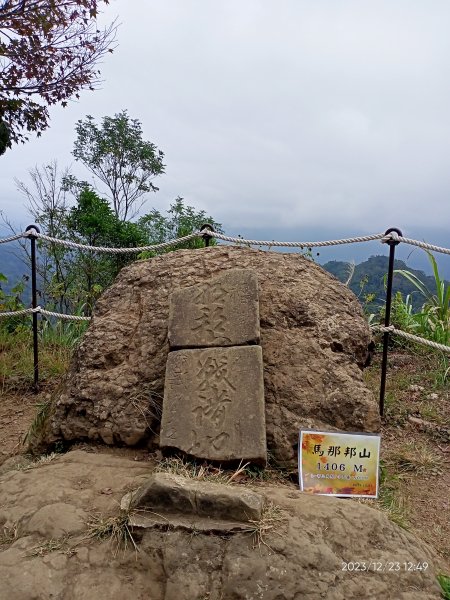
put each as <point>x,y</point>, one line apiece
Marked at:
<point>17,411</point>
<point>415,447</point>
<point>415,482</point>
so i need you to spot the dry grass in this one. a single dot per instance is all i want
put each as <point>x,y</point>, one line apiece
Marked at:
<point>149,406</point>
<point>49,546</point>
<point>113,528</point>
<point>244,473</point>
<point>199,471</point>
<point>271,520</point>
<point>9,534</point>
<point>416,459</point>
<point>44,459</point>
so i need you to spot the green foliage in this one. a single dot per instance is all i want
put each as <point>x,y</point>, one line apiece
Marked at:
<point>12,301</point>
<point>5,137</point>
<point>64,207</point>
<point>93,222</point>
<point>433,321</point>
<point>430,321</point>
<point>444,582</point>
<point>72,280</point>
<point>402,312</point>
<point>49,53</point>
<point>180,221</point>
<point>61,334</point>
<point>420,303</point>
<point>118,156</point>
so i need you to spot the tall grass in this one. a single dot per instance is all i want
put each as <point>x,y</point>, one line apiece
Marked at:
<point>433,320</point>
<point>55,343</point>
<point>56,340</point>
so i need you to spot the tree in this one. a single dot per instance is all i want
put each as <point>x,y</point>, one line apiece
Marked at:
<point>92,221</point>
<point>117,155</point>
<point>48,202</point>
<point>181,220</point>
<point>49,50</point>
<point>5,137</point>
<point>70,209</point>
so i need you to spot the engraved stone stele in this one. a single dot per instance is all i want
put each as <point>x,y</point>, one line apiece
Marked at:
<point>214,404</point>
<point>221,312</point>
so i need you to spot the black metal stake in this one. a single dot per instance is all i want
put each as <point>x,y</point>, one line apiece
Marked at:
<point>387,314</point>
<point>205,229</point>
<point>34,304</point>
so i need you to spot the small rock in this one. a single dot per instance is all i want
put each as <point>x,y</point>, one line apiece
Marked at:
<point>175,494</point>
<point>433,396</point>
<point>416,388</point>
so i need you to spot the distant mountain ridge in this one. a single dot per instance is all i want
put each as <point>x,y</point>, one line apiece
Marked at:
<point>368,278</point>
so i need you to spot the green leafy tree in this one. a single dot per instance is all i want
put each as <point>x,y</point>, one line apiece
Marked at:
<point>94,223</point>
<point>120,159</point>
<point>180,221</point>
<point>67,208</point>
<point>49,51</point>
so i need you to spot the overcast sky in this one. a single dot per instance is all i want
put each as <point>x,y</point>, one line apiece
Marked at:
<point>282,118</point>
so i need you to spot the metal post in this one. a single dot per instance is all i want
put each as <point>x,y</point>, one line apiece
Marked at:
<point>34,304</point>
<point>387,314</point>
<point>205,229</point>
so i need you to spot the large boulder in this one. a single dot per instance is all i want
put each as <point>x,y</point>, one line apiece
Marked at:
<point>314,338</point>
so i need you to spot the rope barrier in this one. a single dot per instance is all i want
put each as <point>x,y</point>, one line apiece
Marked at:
<point>48,313</point>
<point>226,238</point>
<point>18,313</point>
<point>12,238</point>
<point>107,250</point>
<point>410,336</point>
<point>422,245</point>
<point>42,311</point>
<point>355,240</point>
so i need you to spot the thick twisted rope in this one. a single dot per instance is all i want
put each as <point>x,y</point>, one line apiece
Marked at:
<point>64,317</point>
<point>42,311</point>
<point>410,336</point>
<point>398,238</point>
<point>12,238</point>
<point>355,240</point>
<point>108,250</point>
<point>18,313</point>
<point>226,238</point>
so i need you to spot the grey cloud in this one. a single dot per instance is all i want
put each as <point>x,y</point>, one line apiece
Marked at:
<point>281,113</point>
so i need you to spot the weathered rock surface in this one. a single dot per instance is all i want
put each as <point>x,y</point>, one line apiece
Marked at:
<point>302,557</point>
<point>214,404</point>
<point>314,339</point>
<point>168,500</point>
<point>222,312</point>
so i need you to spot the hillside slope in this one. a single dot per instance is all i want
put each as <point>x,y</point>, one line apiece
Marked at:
<point>369,278</point>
